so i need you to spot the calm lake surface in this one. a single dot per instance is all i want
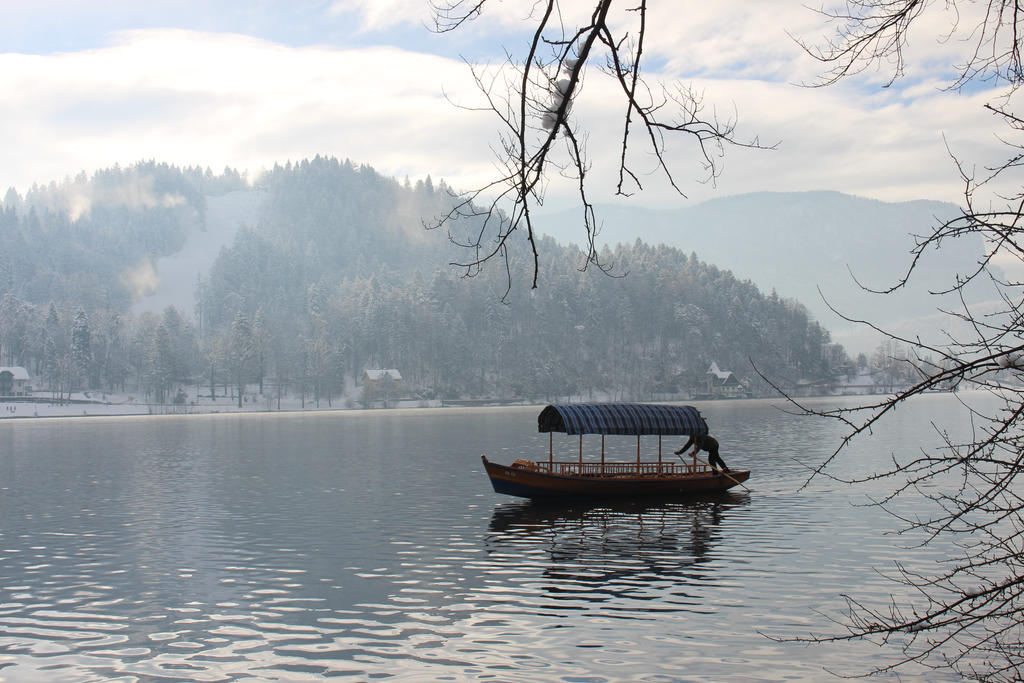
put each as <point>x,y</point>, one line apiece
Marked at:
<point>369,545</point>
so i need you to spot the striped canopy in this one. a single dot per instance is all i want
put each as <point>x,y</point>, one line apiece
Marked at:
<point>622,419</point>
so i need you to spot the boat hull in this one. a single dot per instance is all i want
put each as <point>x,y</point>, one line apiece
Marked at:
<point>518,481</point>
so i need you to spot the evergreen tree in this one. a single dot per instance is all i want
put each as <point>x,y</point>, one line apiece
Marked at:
<point>81,348</point>
<point>241,353</point>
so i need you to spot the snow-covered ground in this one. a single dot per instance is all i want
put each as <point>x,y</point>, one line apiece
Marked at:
<point>93,404</point>
<point>11,409</point>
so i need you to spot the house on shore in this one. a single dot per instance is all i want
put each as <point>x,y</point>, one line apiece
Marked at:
<point>860,382</point>
<point>14,381</point>
<point>723,384</point>
<point>380,385</point>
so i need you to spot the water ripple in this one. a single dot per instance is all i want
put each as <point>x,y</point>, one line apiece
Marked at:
<point>263,547</point>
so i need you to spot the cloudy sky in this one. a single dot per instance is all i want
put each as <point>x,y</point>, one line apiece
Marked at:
<point>85,84</point>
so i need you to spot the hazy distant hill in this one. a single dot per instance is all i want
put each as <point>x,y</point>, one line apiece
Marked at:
<point>797,243</point>
<point>322,269</point>
<point>174,277</point>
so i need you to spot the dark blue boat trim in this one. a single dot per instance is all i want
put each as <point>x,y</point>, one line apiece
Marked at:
<point>622,419</point>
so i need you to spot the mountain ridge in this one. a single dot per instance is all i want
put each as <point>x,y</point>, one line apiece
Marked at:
<point>814,247</point>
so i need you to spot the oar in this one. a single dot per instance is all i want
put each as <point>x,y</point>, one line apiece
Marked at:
<point>731,478</point>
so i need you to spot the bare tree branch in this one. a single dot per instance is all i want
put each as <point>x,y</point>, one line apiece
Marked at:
<point>532,98</point>
<point>969,613</point>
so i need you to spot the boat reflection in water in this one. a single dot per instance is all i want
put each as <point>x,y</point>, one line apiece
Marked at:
<point>624,552</point>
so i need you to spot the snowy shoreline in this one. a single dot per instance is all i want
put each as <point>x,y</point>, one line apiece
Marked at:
<point>38,407</point>
<point>129,406</point>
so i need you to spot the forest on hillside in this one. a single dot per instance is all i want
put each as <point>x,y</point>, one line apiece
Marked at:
<point>339,275</point>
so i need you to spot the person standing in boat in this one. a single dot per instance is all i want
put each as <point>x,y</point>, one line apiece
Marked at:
<point>706,443</point>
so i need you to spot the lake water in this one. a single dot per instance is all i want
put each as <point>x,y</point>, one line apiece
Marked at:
<point>369,545</point>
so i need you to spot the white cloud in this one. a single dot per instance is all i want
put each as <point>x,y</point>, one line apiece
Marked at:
<point>220,100</point>
<point>379,15</point>
<point>215,99</point>
<point>877,145</point>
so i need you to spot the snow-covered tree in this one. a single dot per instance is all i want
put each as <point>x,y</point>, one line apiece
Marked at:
<point>81,347</point>
<point>241,353</point>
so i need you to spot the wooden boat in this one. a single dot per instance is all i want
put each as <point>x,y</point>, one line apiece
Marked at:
<point>637,480</point>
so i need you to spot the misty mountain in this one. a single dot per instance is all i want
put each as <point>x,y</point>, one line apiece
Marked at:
<point>799,243</point>
<point>323,269</point>
<point>340,254</point>
<point>171,280</point>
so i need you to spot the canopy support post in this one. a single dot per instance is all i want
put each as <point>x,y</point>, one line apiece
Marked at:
<point>581,454</point>
<point>638,454</point>
<point>602,454</point>
<point>551,451</point>
<point>659,453</point>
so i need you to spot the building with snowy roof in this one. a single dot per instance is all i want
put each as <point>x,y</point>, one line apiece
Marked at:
<point>374,377</point>
<point>380,385</point>
<point>14,381</point>
<point>723,383</point>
